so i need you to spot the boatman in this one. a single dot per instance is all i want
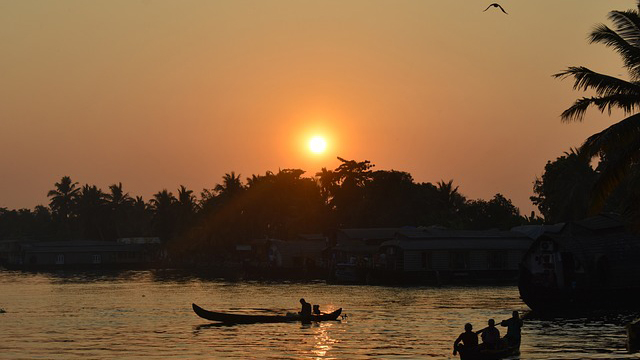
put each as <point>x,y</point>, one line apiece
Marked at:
<point>490,335</point>
<point>305,312</point>
<point>513,329</point>
<point>469,341</point>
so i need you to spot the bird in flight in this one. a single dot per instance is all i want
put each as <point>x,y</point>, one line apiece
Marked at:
<point>496,5</point>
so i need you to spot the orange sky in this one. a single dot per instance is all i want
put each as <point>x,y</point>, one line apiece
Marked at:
<point>155,94</point>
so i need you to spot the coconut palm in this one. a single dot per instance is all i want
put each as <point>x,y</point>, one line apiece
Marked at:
<point>230,187</point>
<point>91,210</point>
<point>163,206</point>
<point>63,197</point>
<point>618,144</point>
<point>119,203</point>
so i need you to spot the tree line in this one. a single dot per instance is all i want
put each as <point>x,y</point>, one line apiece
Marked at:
<point>275,205</point>
<point>571,188</point>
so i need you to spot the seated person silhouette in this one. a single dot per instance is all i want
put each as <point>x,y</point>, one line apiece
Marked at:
<point>469,340</point>
<point>490,335</point>
<point>305,312</point>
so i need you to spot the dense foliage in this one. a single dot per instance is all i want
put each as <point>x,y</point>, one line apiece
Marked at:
<point>618,146</point>
<point>277,205</point>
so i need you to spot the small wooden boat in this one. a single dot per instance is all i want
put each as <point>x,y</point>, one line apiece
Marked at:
<point>490,354</point>
<point>252,319</point>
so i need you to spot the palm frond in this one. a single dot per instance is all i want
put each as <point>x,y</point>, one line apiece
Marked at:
<point>604,85</point>
<point>616,170</point>
<point>612,139</point>
<point>629,53</point>
<point>627,103</point>
<point>627,25</point>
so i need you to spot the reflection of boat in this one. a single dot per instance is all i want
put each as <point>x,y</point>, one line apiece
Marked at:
<point>489,354</point>
<point>251,319</point>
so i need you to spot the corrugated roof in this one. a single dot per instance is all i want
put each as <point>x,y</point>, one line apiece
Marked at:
<point>439,233</point>
<point>80,246</point>
<point>505,243</point>
<point>535,231</point>
<point>601,222</point>
<point>372,233</point>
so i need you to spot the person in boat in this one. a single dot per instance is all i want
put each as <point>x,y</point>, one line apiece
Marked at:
<point>513,325</point>
<point>316,309</point>
<point>490,335</point>
<point>468,338</point>
<point>305,312</point>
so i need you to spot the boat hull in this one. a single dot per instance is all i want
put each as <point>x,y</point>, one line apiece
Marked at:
<point>253,319</point>
<point>486,354</point>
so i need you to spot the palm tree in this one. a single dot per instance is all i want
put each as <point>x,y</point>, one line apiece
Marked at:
<point>186,200</point>
<point>91,208</point>
<point>230,187</point>
<point>163,206</point>
<point>619,144</point>
<point>63,197</point>
<point>449,202</point>
<point>119,203</point>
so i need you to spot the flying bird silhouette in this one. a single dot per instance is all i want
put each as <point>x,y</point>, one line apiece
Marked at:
<point>496,5</point>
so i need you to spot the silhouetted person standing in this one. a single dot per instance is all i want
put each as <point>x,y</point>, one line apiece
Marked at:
<point>490,335</point>
<point>469,340</point>
<point>514,324</point>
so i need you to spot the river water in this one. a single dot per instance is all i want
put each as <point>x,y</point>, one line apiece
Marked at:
<point>148,314</point>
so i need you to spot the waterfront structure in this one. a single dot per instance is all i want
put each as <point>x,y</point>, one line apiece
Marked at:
<point>355,252</point>
<point>430,255</point>
<point>437,255</point>
<point>592,263</point>
<point>302,257</point>
<point>85,254</point>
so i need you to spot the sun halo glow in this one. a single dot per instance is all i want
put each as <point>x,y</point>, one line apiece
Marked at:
<point>317,144</point>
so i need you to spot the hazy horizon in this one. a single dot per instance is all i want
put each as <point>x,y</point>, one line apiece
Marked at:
<point>157,94</point>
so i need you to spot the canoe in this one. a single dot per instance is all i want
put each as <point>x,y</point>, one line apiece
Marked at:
<point>252,319</point>
<point>487,354</point>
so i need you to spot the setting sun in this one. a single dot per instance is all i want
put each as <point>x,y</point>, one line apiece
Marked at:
<point>317,144</point>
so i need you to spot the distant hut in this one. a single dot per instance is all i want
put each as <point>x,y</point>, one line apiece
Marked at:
<point>593,263</point>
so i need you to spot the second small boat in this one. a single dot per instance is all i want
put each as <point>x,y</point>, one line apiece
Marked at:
<point>230,318</point>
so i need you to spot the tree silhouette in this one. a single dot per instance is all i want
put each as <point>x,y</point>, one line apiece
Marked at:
<point>449,203</point>
<point>164,220</point>
<point>91,212</point>
<point>120,204</point>
<point>63,199</point>
<point>231,186</point>
<point>619,143</point>
<point>562,193</point>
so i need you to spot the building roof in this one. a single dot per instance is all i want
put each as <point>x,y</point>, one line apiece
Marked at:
<point>521,243</point>
<point>79,246</point>
<point>602,222</point>
<point>535,231</point>
<point>440,233</point>
<point>371,233</point>
<point>311,237</point>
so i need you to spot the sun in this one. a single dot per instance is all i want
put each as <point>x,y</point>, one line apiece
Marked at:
<point>317,144</point>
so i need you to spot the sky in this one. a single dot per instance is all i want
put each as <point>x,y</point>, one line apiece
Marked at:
<point>157,94</point>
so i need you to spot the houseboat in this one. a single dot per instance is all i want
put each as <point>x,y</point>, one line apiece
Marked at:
<point>588,264</point>
<point>442,256</point>
<point>427,255</point>
<point>85,254</point>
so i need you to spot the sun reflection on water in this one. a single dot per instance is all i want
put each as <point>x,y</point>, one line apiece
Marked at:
<point>323,342</point>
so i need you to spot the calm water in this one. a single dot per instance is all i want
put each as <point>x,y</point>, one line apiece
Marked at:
<point>148,314</point>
